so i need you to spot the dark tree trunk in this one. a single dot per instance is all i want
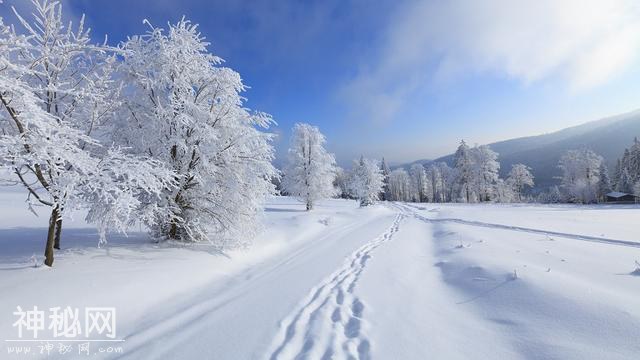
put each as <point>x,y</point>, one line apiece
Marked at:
<point>56,243</point>
<point>173,224</point>
<point>48,251</point>
<point>173,230</point>
<point>309,205</point>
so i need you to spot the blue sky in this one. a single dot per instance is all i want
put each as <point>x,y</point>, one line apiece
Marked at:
<point>407,79</point>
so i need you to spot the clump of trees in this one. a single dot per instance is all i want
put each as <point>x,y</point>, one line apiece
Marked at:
<point>311,173</point>
<point>154,130</point>
<point>585,176</point>
<point>474,178</point>
<point>399,184</point>
<point>581,175</point>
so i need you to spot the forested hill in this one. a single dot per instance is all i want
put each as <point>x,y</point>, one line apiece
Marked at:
<point>608,137</point>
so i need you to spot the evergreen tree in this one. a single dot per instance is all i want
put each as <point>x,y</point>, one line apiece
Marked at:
<point>633,162</point>
<point>385,172</point>
<point>626,183</point>
<point>604,185</point>
<point>617,172</point>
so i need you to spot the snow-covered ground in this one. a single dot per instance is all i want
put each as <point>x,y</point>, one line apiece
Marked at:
<point>392,281</point>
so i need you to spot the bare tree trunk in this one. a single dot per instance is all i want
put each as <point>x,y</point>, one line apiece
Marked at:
<point>48,251</point>
<point>519,193</point>
<point>56,243</point>
<point>309,205</point>
<point>173,230</point>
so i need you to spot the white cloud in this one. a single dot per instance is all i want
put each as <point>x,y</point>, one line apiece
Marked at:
<point>583,42</point>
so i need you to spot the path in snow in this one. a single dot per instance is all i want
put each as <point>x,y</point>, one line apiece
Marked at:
<point>170,321</point>
<point>237,316</point>
<point>329,324</point>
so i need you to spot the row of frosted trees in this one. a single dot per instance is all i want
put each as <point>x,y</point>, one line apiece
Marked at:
<point>585,176</point>
<point>474,178</point>
<point>312,175</point>
<point>152,130</point>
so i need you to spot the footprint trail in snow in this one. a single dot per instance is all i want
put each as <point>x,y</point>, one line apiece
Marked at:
<point>329,323</point>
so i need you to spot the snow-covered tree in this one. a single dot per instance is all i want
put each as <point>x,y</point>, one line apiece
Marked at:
<point>311,170</point>
<point>617,172</point>
<point>419,183</point>
<point>580,174</point>
<point>504,192</point>
<point>604,184</point>
<point>627,169</point>
<point>433,174</point>
<point>464,171</point>
<point>476,173</point>
<point>551,196</point>
<point>631,161</point>
<point>186,111</point>
<point>341,182</point>
<point>56,95</point>
<point>399,185</point>
<point>519,177</point>
<point>385,172</point>
<point>625,183</point>
<point>442,180</point>
<point>366,181</point>
<point>485,171</point>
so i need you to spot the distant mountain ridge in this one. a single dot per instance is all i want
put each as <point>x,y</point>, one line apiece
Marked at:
<point>607,137</point>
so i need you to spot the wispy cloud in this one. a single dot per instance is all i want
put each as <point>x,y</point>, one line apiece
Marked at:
<point>581,42</point>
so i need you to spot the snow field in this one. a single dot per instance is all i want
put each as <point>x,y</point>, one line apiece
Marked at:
<point>544,296</point>
<point>392,281</point>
